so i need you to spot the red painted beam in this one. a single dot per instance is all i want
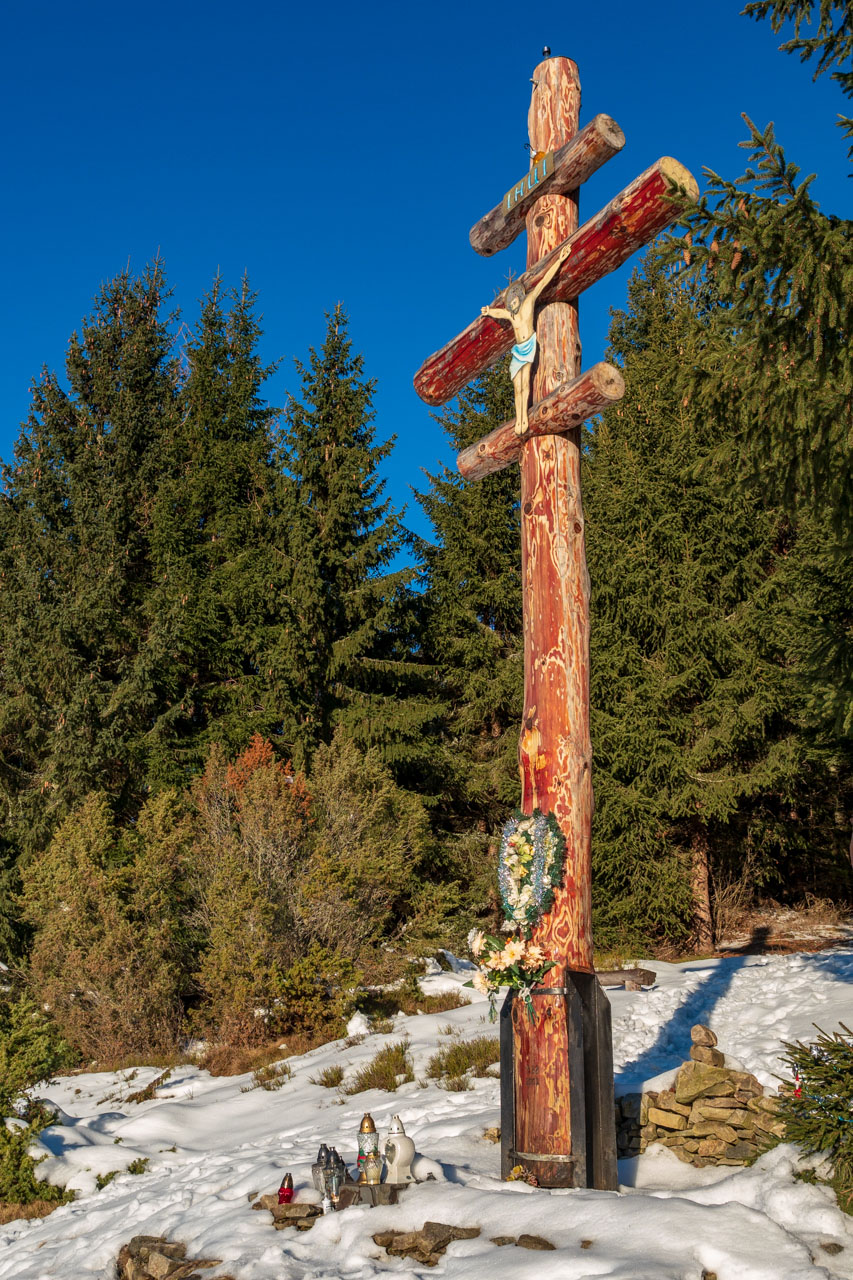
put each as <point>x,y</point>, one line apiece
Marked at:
<point>648,205</point>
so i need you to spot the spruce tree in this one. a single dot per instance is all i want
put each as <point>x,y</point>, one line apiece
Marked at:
<point>472,632</point>
<point>699,757</point>
<point>75,524</point>
<point>217,593</point>
<point>776,366</point>
<point>343,659</point>
<point>472,582</point>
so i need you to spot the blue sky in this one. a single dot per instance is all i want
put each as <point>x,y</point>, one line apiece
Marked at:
<point>341,152</point>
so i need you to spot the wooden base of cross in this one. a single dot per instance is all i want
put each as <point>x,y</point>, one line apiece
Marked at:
<point>557,1116</point>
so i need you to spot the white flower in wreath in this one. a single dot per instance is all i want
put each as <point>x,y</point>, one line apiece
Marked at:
<point>476,941</point>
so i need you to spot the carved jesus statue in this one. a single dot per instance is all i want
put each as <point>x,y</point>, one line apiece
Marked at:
<point>520,311</point>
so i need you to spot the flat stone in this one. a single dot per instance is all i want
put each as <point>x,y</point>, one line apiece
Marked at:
<point>500,1241</point>
<point>534,1242</point>
<point>686,1157</point>
<point>712,1147</point>
<point>714,1129</point>
<point>703,1035</point>
<point>777,1129</point>
<point>727,1102</point>
<point>283,1211</point>
<point>667,1119</point>
<point>160,1265</point>
<point>668,1102</point>
<point>742,1150</point>
<point>747,1083</point>
<point>736,1116</point>
<point>832,1247</point>
<point>767,1104</point>
<point>696,1080</point>
<point>711,1057</point>
<point>630,1105</point>
<point>493,1134</point>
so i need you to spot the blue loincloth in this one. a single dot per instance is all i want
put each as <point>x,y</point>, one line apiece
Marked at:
<point>522,354</point>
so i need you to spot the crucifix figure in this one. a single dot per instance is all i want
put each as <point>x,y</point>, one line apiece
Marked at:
<point>520,311</point>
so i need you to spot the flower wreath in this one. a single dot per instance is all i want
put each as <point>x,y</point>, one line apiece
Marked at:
<point>530,867</point>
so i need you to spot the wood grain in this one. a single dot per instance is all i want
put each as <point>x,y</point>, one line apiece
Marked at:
<point>575,161</point>
<point>554,752</point>
<point>571,404</point>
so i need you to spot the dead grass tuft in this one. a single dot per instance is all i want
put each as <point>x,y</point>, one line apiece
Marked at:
<point>35,1209</point>
<point>389,1068</point>
<point>236,1060</point>
<point>330,1077</point>
<point>464,1058</point>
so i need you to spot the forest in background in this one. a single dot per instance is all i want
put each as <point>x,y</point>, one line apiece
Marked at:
<point>247,761</point>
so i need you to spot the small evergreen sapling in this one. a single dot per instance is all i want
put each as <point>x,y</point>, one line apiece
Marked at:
<point>818,1111</point>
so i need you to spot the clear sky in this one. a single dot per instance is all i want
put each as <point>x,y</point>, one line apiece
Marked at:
<point>341,152</point>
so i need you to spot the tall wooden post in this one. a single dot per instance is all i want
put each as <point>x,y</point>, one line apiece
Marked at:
<point>557,1116</point>
<point>555,754</point>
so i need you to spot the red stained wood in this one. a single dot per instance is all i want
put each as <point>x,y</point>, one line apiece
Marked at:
<point>554,749</point>
<point>632,219</point>
<point>570,405</point>
<point>576,161</point>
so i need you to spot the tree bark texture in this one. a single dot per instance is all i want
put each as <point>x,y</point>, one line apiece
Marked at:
<point>569,405</point>
<point>700,883</point>
<point>634,217</point>
<point>554,749</point>
<point>576,161</point>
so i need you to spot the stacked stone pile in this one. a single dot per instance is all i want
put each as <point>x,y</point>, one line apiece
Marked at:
<point>156,1258</point>
<point>300,1216</point>
<point>713,1114</point>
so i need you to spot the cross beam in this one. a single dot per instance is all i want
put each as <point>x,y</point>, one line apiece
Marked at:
<point>569,169</point>
<point>633,218</point>
<point>571,404</point>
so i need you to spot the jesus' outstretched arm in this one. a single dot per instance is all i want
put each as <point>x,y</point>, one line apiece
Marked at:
<point>551,272</point>
<point>497,313</point>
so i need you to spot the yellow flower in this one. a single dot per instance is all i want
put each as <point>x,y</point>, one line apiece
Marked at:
<point>476,941</point>
<point>512,952</point>
<point>480,983</point>
<point>495,960</point>
<point>534,954</point>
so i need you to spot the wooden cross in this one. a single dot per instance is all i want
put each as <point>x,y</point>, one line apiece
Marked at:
<point>557,1068</point>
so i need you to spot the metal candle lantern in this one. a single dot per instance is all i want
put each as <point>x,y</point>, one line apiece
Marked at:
<point>368,1146</point>
<point>319,1168</point>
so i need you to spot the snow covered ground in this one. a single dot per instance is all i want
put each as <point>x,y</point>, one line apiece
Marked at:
<point>212,1142</point>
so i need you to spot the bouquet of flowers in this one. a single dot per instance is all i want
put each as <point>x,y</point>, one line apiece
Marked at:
<point>514,963</point>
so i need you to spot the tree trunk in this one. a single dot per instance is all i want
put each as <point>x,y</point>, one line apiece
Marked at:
<point>700,885</point>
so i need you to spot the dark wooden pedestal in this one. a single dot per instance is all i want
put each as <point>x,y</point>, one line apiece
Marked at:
<point>590,1160</point>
